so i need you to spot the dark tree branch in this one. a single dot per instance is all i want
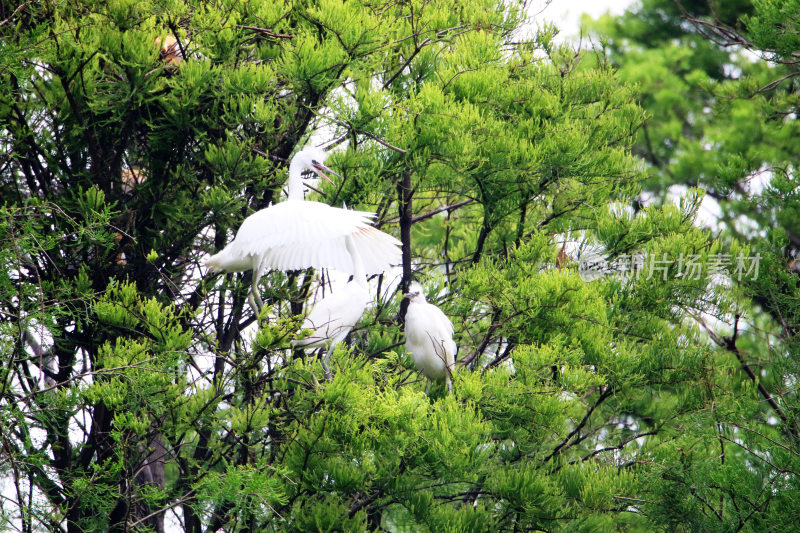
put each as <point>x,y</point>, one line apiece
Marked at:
<point>603,397</point>
<point>404,197</point>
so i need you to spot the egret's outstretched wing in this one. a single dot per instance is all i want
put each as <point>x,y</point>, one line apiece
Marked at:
<point>293,222</point>
<point>294,235</point>
<point>378,250</point>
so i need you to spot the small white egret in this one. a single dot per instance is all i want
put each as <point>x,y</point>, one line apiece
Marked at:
<point>429,338</point>
<point>333,317</point>
<point>298,234</point>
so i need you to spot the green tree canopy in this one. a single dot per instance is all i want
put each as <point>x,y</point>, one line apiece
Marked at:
<point>718,81</point>
<point>136,137</point>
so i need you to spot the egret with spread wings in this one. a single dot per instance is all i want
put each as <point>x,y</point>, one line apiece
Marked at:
<point>298,234</point>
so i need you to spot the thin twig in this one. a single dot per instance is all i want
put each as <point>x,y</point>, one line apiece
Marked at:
<point>267,32</point>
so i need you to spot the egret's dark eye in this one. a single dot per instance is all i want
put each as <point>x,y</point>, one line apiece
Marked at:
<point>314,162</point>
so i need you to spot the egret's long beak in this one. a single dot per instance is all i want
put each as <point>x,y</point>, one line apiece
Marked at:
<point>320,169</point>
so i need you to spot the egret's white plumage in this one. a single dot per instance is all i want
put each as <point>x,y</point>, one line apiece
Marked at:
<point>333,317</point>
<point>297,234</point>
<point>429,338</point>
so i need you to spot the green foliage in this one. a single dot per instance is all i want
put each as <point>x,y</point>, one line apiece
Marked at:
<point>716,80</point>
<point>138,135</point>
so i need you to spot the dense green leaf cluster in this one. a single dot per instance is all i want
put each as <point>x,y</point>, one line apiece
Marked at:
<point>718,81</point>
<point>144,396</point>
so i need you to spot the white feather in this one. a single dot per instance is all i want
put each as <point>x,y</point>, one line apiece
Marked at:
<point>429,338</point>
<point>333,317</point>
<point>296,234</point>
<point>292,235</point>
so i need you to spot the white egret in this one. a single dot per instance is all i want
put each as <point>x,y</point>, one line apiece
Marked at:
<point>333,317</point>
<point>429,338</point>
<point>298,234</point>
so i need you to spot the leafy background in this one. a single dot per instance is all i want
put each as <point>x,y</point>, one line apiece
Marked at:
<point>140,395</point>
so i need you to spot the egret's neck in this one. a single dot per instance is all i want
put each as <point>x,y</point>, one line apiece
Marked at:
<point>358,265</point>
<point>295,180</point>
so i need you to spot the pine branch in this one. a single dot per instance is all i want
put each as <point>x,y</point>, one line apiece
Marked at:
<point>604,395</point>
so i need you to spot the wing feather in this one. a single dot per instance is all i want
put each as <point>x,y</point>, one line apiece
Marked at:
<point>295,235</point>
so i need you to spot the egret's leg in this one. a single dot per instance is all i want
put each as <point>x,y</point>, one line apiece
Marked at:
<point>255,296</point>
<point>448,377</point>
<point>427,385</point>
<point>326,355</point>
<point>252,301</point>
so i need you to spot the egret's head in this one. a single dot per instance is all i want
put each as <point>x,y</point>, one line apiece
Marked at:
<point>313,159</point>
<point>415,292</point>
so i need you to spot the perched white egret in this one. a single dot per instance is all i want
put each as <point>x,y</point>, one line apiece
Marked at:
<point>297,234</point>
<point>429,338</point>
<point>333,317</point>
